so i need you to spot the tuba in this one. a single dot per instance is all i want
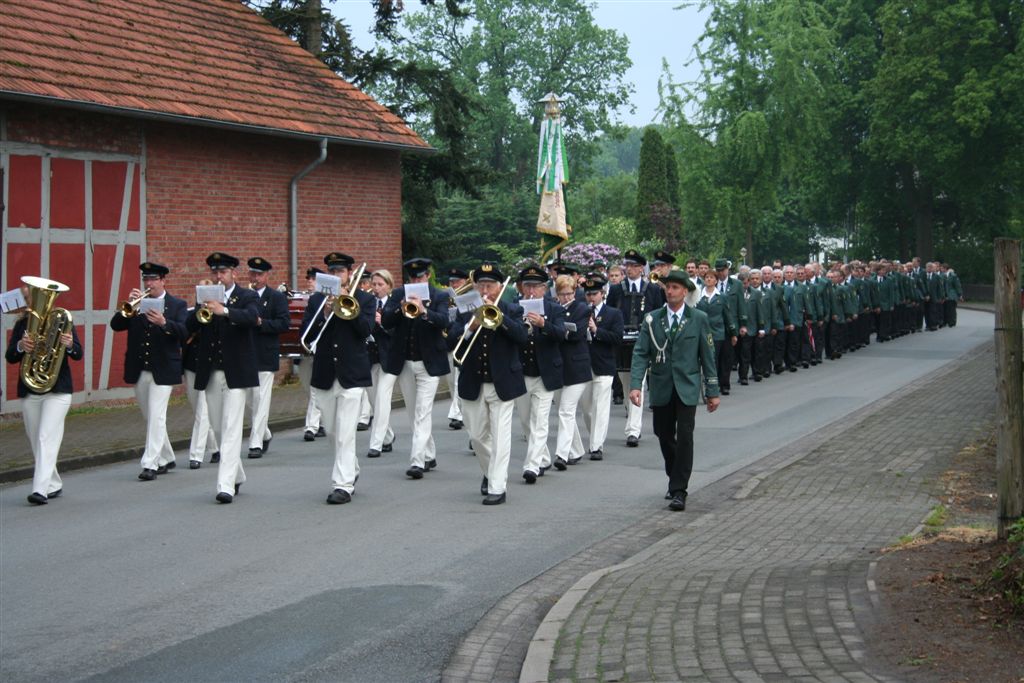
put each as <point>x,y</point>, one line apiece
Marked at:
<point>45,325</point>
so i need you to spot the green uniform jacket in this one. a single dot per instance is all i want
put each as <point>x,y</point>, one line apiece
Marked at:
<point>887,293</point>
<point>756,322</point>
<point>780,316</point>
<point>734,296</point>
<point>954,289</point>
<point>810,301</point>
<point>684,357</point>
<point>822,298</point>
<point>719,316</point>
<point>836,302</point>
<point>851,304</point>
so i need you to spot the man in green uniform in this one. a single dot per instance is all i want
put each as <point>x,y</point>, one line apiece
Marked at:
<point>674,349</point>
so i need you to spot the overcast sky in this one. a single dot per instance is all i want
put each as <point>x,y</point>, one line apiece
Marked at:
<point>655,29</point>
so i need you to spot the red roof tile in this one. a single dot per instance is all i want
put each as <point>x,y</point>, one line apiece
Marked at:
<point>215,61</point>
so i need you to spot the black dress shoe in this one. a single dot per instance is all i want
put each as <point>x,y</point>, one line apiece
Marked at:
<point>339,497</point>
<point>238,487</point>
<point>215,458</point>
<point>37,498</point>
<point>792,368</point>
<point>494,499</point>
<point>429,465</point>
<point>543,470</point>
<point>320,432</point>
<point>147,475</point>
<point>169,466</point>
<point>668,495</point>
<point>678,502</point>
<point>530,477</point>
<point>757,378</point>
<point>744,383</point>
<point>255,453</point>
<point>308,436</point>
<point>194,464</point>
<point>161,470</point>
<point>386,448</point>
<point>725,392</point>
<point>483,487</point>
<point>362,427</point>
<point>224,498</point>
<point>574,461</point>
<point>266,445</point>
<point>56,494</point>
<point>560,464</point>
<point>806,365</point>
<point>632,441</point>
<point>414,472</point>
<point>617,400</point>
<point>373,453</point>
<point>471,445</point>
<point>596,455</point>
<point>455,424</point>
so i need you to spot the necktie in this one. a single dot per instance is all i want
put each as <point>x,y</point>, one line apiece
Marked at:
<point>380,305</point>
<point>675,323</point>
<point>632,287</point>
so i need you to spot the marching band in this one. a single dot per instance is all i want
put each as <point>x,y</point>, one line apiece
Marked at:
<point>558,338</point>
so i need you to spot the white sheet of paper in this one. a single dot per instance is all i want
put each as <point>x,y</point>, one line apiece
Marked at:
<point>470,301</point>
<point>570,327</point>
<point>532,306</point>
<point>12,300</point>
<point>151,305</point>
<point>328,284</point>
<point>206,293</point>
<point>420,289</point>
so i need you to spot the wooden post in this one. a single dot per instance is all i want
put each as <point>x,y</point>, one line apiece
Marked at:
<point>1009,385</point>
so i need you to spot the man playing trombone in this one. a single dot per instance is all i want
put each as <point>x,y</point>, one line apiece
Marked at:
<point>417,359</point>
<point>341,368</point>
<point>491,377</point>
<point>152,361</point>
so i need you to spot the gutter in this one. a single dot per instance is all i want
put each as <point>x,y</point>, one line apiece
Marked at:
<point>293,213</point>
<point>207,123</point>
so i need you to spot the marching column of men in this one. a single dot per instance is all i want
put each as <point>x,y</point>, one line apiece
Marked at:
<point>561,339</point>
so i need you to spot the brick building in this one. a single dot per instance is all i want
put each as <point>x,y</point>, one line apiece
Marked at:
<point>136,130</point>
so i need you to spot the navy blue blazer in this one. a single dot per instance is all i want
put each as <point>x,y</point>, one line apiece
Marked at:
<point>381,344</point>
<point>635,306</point>
<point>545,343</point>
<point>604,342</point>
<point>427,332</point>
<point>274,319</point>
<point>499,349</point>
<point>230,337</point>
<point>574,347</point>
<point>161,347</point>
<point>64,384</point>
<point>341,352</point>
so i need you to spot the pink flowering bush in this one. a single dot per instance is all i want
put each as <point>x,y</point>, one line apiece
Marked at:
<point>585,254</point>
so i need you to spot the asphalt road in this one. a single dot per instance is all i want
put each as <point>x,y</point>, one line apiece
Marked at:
<point>122,580</point>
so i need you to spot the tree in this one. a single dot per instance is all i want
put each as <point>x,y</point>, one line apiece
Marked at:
<point>652,181</point>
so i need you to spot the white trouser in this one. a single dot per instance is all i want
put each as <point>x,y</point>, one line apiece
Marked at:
<point>44,415</point>
<point>384,387</point>
<point>312,411</point>
<point>152,398</point>
<point>418,391</point>
<point>596,405</point>
<point>534,408</point>
<point>259,400</point>
<point>340,408</point>
<point>227,413</point>
<point>455,410</point>
<point>634,414</point>
<point>371,391</point>
<point>569,444</point>
<point>489,422</point>
<point>204,441</point>
<point>366,406</point>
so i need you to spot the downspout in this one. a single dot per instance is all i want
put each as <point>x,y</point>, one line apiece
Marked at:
<point>293,213</point>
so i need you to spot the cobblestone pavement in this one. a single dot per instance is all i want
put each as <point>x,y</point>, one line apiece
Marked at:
<point>766,577</point>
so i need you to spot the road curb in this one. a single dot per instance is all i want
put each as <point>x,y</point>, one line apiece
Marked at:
<point>536,666</point>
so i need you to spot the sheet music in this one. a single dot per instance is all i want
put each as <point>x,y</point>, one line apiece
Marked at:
<point>532,306</point>
<point>12,300</point>
<point>206,293</point>
<point>149,304</point>
<point>420,289</point>
<point>328,284</point>
<point>468,302</point>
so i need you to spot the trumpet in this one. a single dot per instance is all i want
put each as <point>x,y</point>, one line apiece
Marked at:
<point>130,307</point>
<point>655,278</point>
<point>204,314</point>
<point>411,310</point>
<point>488,317</point>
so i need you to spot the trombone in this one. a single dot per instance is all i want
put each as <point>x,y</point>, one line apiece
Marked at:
<point>130,307</point>
<point>488,317</point>
<point>345,306</point>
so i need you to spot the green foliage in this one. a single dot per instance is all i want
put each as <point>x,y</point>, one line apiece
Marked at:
<point>598,198</point>
<point>1008,575</point>
<point>652,181</point>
